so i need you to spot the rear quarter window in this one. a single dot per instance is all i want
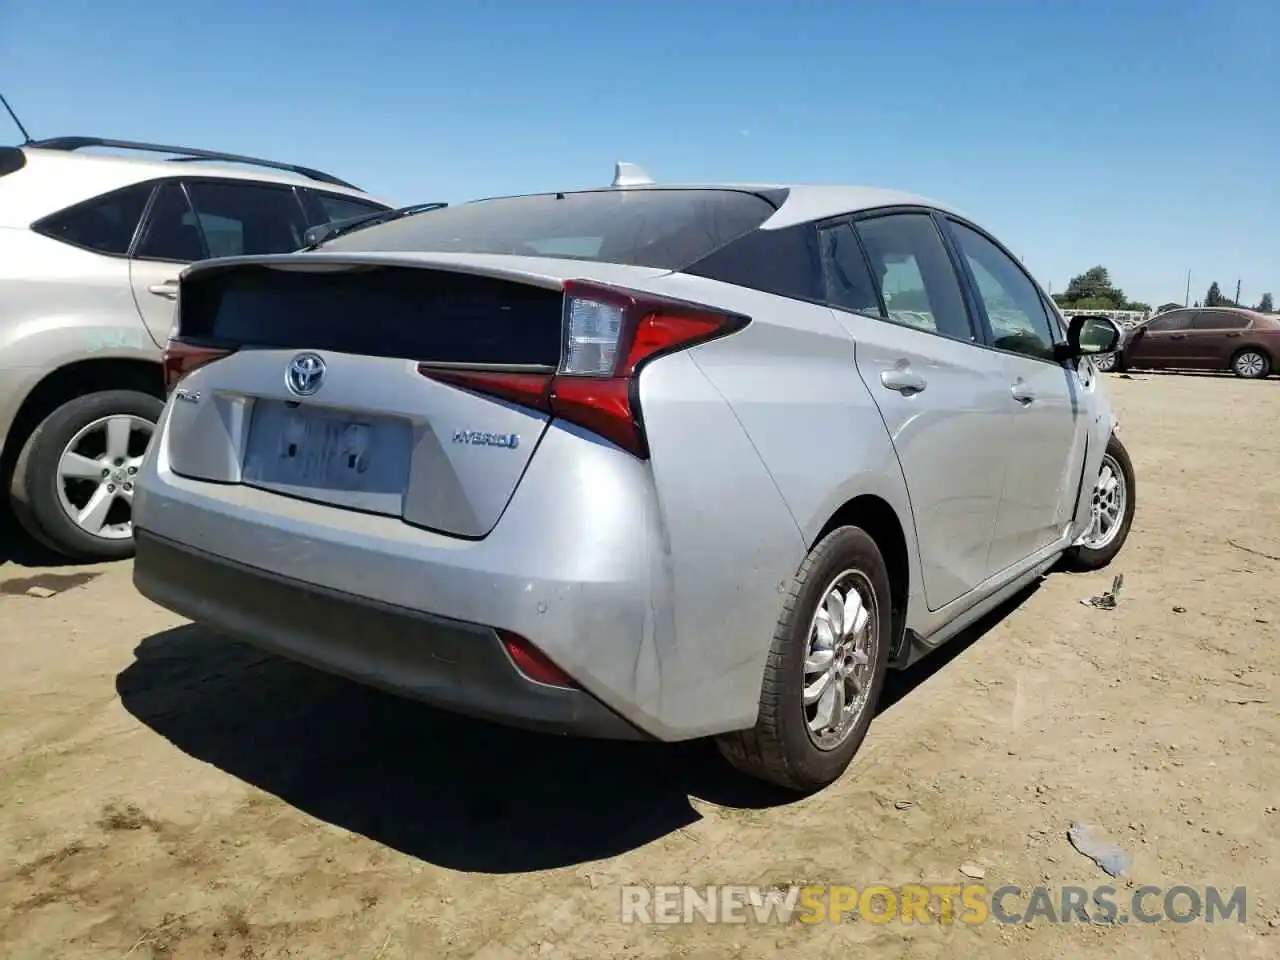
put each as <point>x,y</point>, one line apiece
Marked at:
<point>105,224</point>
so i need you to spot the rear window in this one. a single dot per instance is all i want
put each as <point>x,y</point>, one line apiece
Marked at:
<point>424,315</point>
<point>669,229</point>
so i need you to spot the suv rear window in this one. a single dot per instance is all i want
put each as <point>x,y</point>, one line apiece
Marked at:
<point>665,228</point>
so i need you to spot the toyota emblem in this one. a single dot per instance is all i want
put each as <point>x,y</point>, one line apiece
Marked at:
<point>304,375</point>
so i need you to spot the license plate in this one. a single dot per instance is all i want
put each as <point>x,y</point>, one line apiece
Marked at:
<point>326,455</point>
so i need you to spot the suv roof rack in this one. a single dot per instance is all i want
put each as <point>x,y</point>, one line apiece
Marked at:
<point>185,153</point>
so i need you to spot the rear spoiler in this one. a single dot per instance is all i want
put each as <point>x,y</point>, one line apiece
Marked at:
<point>323,262</point>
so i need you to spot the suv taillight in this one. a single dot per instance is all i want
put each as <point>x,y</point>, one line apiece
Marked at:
<point>609,335</point>
<point>180,358</point>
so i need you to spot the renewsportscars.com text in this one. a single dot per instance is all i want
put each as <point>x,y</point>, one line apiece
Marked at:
<point>931,903</point>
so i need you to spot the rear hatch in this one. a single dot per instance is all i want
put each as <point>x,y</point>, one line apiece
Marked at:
<point>317,394</point>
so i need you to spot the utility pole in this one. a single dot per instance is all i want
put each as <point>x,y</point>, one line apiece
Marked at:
<point>1187,300</point>
<point>1237,293</point>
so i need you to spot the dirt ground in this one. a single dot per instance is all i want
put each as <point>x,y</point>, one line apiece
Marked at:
<point>165,793</point>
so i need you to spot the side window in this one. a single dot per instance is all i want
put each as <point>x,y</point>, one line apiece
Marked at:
<point>239,218</point>
<point>1056,319</point>
<point>917,281</point>
<point>335,207</point>
<point>105,224</point>
<point>1176,320</point>
<point>1013,305</point>
<point>171,232</point>
<point>783,262</point>
<point>1218,320</point>
<point>845,275</point>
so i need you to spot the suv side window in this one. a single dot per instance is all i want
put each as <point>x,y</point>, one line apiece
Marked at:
<point>1174,320</point>
<point>105,224</point>
<point>1218,320</point>
<point>1015,309</point>
<point>243,218</point>
<point>846,277</point>
<point>335,207</point>
<point>171,232</point>
<point>913,270</point>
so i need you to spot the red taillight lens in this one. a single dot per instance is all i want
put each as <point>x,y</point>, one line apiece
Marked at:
<point>181,358</point>
<point>532,662</point>
<point>609,335</point>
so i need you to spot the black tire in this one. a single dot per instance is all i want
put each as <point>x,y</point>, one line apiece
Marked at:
<point>1263,372</point>
<point>1083,558</point>
<point>33,490</point>
<point>1107,362</point>
<point>779,748</point>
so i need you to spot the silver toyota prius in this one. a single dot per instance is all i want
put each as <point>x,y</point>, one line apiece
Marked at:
<point>642,461</point>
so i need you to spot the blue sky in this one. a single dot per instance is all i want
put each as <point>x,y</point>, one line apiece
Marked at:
<point>1140,134</point>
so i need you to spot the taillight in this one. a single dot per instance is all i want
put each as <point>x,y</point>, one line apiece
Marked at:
<point>609,335</point>
<point>181,358</point>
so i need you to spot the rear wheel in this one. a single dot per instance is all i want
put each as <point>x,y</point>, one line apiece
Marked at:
<point>1106,362</point>
<point>72,486</point>
<point>825,670</point>
<point>1112,506</point>
<point>1251,364</point>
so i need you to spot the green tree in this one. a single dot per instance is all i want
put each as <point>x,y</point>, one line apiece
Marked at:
<point>1093,290</point>
<point>1214,297</point>
<point>1265,305</point>
<point>1094,284</point>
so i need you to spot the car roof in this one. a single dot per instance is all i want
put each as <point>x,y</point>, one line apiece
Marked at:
<point>806,202</point>
<point>63,178</point>
<point>803,202</point>
<point>1246,311</point>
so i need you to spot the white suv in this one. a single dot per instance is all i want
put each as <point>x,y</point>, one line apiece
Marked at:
<point>91,246</point>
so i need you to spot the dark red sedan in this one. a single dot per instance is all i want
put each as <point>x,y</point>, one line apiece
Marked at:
<point>1205,338</point>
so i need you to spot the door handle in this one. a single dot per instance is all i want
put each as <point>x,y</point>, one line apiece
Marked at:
<point>1022,393</point>
<point>1236,334</point>
<point>1177,336</point>
<point>167,289</point>
<point>903,381</point>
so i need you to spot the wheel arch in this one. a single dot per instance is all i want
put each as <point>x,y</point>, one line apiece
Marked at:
<point>881,522</point>
<point>71,380</point>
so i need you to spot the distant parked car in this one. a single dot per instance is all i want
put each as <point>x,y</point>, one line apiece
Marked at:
<point>653,462</point>
<point>90,251</point>
<point>1208,338</point>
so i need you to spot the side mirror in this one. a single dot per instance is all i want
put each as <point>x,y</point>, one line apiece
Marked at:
<point>1088,336</point>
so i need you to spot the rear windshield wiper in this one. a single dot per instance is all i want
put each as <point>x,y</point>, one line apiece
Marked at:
<point>328,231</point>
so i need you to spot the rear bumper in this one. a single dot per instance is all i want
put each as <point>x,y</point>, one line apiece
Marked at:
<point>452,664</point>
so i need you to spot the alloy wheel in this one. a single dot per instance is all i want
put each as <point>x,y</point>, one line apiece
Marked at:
<point>840,659</point>
<point>1110,498</point>
<point>97,471</point>
<point>1250,364</point>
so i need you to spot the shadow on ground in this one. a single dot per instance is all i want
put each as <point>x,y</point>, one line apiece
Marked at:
<point>448,790</point>
<point>18,548</point>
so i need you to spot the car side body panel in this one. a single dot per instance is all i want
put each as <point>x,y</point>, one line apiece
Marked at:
<point>792,382</point>
<point>60,305</point>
